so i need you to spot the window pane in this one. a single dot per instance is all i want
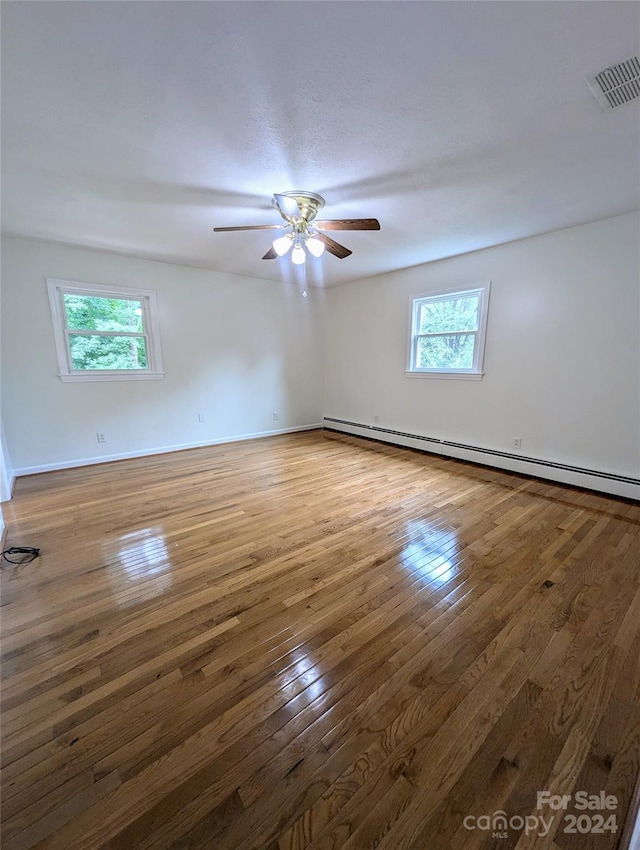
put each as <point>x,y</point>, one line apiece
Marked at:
<point>454,351</point>
<point>103,314</point>
<point>107,352</point>
<point>452,314</point>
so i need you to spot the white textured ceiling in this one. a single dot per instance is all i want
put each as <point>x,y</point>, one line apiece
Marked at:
<point>138,127</point>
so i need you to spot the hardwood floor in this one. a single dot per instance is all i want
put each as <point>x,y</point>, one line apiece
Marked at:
<point>314,641</point>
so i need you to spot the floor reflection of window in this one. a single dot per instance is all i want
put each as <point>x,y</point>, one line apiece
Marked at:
<point>140,560</point>
<point>303,673</point>
<point>431,551</point>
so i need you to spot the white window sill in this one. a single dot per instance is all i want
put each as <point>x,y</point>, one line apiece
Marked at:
<point>457,376</point>
<point>112,376</point>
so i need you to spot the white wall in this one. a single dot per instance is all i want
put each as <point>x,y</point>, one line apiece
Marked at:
<point>561,359</point>
<point>236,349</point>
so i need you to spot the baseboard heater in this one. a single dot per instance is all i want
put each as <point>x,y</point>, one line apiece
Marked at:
<point>604,482</point>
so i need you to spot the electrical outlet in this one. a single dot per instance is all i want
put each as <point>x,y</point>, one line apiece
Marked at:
<point>101,437</point>
<point>517,442</point>
<point>201,417</point>
<point>376,419</point>
<point>275,415</point>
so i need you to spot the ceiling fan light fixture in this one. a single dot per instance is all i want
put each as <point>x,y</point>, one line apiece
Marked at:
<point>298,255</point>
<point>315,246</point>
<point>282,245</point>
<point>299,210</point>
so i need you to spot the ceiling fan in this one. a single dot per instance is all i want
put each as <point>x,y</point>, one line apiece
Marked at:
<point>303,232</point>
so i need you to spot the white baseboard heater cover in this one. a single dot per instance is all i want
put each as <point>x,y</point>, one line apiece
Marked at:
<point>591,479</point>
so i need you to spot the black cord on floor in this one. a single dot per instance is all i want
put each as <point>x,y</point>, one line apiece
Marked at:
<point>25,554</point>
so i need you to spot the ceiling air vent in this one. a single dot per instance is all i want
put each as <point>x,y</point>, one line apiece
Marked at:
<point>617,84</point>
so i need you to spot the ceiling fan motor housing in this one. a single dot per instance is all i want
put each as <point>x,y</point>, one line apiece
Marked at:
<point>308,202</point>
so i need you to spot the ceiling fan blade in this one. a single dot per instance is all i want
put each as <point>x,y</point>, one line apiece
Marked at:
<point>288,207</point>
<point>348,224</point>
<point>249,227</point>
<point>334,247</point>
<point>271,254</point>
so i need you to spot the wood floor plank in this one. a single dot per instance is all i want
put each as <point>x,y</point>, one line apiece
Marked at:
<point>313,641</point>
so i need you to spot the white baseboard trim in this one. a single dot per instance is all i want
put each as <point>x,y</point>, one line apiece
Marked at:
<point>590,479</point>
<point>158,450</point>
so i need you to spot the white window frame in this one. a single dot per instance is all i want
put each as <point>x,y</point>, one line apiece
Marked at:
<point>475,373</point>
<point>57,290</point>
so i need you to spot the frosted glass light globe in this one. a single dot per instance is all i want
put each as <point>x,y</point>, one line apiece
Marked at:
<point>298,255</point>
<point>316,246</point>
<point>281,245</point>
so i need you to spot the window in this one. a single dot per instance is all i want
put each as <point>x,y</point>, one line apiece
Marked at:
<point>104,333</point>
<point>447,333</point>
